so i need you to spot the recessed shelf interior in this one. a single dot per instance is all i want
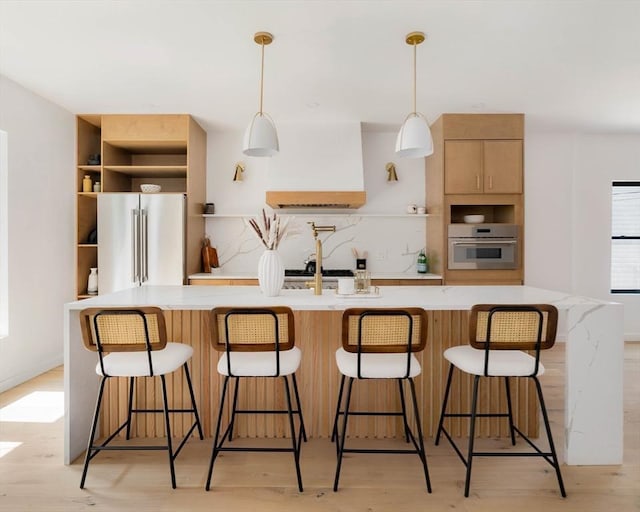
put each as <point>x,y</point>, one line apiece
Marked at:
<point>493,213</point>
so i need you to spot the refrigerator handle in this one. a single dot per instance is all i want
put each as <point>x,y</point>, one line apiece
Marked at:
<point>135,274</point>
<point>143,242</point>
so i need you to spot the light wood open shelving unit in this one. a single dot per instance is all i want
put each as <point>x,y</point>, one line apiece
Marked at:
<point>166,149</point>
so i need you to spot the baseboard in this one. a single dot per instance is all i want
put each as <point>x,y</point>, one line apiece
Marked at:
<point>30,373</point>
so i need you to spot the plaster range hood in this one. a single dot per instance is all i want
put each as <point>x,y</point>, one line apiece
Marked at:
<point>318,166</point>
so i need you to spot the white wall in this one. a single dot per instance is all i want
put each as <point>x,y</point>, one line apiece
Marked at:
<point>548,183</point>
<point>40,231</point>
<point>568,213</point>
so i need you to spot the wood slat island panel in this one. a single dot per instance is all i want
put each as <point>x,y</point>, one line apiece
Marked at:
<point>318,336</point>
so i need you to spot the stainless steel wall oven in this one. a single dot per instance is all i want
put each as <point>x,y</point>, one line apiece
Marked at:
<point>483,246</point>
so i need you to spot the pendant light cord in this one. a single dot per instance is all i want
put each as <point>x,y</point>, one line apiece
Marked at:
<point>261,73</point>
<point>414,77</point>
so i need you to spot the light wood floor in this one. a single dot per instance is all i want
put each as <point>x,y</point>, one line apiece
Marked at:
<point>32,476</point>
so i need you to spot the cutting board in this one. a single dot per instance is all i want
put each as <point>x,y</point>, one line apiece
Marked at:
<point>209,256</point>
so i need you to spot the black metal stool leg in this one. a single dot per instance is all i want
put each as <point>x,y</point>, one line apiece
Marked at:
<point>296,451</point>
<point>344,435</point>
<point>233,408</point>
<point>295,389</point>
<point>165,403</point>
<point>214,451</point>
<point>193,401</point>
<point>132,385</point>
<point>472,434</point>
<point>510,410</point>
<point>556,465</point>
<point>444,404</point>
<point>421,451</point>
<point>94,424</point>
<point>334,432</point>
<point>404,411</point>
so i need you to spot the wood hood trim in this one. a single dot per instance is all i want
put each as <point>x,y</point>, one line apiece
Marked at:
<point>316,199</point>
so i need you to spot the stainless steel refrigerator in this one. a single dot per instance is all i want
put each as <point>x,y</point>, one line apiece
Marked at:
<point>141,240</point>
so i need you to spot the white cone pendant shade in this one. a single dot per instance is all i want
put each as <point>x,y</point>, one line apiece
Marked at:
<point>414,138</point>
<point>260,138</point>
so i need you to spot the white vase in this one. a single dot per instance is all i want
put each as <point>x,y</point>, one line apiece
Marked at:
<point>270,273</point>
<point>92,282</point>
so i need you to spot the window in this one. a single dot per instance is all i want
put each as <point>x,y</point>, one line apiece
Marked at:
<point>4,236</point>
<point>625,237</point>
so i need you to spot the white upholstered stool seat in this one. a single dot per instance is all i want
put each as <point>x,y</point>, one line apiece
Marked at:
<point>502,363</point>
<point>136,364</point>
<point>376,366</point>
<point>260,364</point>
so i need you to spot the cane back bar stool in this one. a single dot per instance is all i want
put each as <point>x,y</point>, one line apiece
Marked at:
<point>133,343</point>
<point>256,342</point>
<point>380,343</point>
<point>498,337</point>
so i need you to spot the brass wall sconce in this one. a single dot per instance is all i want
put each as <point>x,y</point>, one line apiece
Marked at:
<point>237,176</point>
<point>391,172</point>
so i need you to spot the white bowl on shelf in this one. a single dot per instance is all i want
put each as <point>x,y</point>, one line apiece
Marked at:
<point>474,219</point>
<point>150,188</point>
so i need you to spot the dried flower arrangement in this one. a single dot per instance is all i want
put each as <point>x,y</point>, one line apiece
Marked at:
<point>270,230</point>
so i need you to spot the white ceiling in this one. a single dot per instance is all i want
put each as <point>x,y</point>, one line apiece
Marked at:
<point>568,65</point>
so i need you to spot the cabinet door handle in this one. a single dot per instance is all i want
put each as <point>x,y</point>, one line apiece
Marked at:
<point>134,246</point>
<point>490,182</point>
<point>477,182</point>
<point>144,277</point>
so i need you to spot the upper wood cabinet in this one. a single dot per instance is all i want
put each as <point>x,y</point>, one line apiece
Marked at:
<point>483,166</point>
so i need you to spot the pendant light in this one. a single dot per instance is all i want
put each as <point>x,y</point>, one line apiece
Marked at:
<point>261,138</point>
<point>414,139</point>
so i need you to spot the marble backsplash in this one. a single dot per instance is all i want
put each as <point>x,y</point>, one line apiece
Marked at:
<point>392,242</point>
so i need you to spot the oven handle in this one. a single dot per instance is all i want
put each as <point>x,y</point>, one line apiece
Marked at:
<point>492,242</point>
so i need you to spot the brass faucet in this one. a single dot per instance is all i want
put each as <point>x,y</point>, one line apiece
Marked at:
<point>317,277</point>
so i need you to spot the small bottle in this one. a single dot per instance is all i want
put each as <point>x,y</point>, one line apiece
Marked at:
<point>422,263</point>
<point>86,183</point>
<point>96,186</point>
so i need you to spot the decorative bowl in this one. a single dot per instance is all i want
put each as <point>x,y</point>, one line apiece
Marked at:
<point>474,219</point>
<point>150,188</point>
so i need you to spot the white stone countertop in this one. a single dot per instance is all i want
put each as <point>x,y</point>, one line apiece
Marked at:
<point>249,275</point>
<point>426,297</point>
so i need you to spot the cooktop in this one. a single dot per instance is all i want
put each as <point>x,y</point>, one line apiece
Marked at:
<point>325,272</point>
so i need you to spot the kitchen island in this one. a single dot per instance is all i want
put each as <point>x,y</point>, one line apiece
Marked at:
<point>593,367</point>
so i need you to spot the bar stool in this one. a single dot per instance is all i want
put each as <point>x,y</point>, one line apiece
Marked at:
<point>256,342</point>
<point>133,343</point>
<point>498,337</point>
<point>380,344</point>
